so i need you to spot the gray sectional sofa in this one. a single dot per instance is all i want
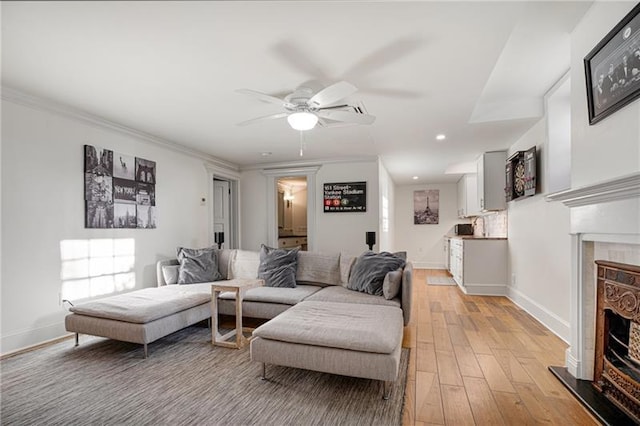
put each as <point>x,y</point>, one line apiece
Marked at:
<point>146,315</point>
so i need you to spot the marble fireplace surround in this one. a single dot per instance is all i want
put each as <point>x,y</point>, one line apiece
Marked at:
<point>605,225</point>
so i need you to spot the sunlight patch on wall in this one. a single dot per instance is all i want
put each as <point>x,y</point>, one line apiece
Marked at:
<point>385,214</point>
<point>97,267</point>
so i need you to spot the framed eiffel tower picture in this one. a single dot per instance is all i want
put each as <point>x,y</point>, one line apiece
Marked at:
<point>426,207</point>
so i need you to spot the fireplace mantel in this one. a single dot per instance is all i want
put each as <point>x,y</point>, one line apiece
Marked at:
<point>620,188</point>
<point>604,212</point>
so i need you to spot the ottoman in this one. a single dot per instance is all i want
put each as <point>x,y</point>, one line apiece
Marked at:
<point>340,338</point>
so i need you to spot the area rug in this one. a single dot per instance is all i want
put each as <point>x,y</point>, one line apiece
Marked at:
<point>185,380</point>
<point>435,280</point>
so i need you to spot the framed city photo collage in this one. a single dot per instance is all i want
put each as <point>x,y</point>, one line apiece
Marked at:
<point>119,190</point>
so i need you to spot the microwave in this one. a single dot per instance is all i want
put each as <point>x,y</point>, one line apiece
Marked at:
<point>464,229</point>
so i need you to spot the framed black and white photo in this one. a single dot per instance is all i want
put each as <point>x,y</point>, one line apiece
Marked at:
<point>146,216</point>
<point>146,194</point>
<point>98,160</point>
<point>124,166</point>
<point>99,214</point>
<point>124,215</point>
<point>124,190</point>
<point>145,171</point>
<point>612,69</point>
<point>98,188</point>
<point>426,207</point>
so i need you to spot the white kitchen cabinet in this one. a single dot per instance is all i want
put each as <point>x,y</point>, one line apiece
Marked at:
<point>479,265</point>
<point>491,180</point>
<point>468,196</point>
<point>291,242</point>
<point>446,254</point>
<point>455,259</point>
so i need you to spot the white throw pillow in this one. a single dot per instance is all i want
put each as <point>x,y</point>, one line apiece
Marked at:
<point>245,264</point>
<point>391,284</point>
<point>170,274</point>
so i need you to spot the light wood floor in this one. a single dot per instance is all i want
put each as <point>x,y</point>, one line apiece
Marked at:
<point>479,360</point>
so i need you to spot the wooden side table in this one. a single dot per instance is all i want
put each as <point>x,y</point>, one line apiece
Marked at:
<point>240,287</point>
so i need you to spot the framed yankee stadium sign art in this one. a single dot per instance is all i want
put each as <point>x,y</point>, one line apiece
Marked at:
<point>348,197</point>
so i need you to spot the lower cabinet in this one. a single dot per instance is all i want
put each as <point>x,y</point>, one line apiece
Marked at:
<point>479,266</point>
<point>291,242</point>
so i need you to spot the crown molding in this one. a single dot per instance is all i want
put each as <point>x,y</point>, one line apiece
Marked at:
<point>620,188</point>
<point>16,96</point>
<point>309,163</point>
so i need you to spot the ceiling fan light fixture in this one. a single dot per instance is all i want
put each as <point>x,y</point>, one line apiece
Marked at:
<point>302,120</point>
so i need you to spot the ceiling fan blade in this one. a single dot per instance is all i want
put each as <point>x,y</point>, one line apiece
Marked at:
<point>298,58</point>
<point>263,97</point>
<point>266,117</point>
<point>383,56</point>
<point>332,94</point>
<point>346,116</point>
<point>392,93</point>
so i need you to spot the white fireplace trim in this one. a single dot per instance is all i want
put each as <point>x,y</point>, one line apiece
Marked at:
<point>620,188</point>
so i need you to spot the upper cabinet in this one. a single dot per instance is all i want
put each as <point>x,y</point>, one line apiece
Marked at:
<point>491,180</point>
<point>468,196</point>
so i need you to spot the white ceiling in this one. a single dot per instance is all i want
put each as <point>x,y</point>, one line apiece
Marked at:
<point>476,71</point>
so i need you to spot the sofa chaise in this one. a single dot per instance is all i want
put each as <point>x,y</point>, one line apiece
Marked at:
<point>320,324</point>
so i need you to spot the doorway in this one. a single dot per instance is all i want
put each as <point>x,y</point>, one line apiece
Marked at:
<point>224,212</point>
<point>273,175</point>
<point>292,212</point>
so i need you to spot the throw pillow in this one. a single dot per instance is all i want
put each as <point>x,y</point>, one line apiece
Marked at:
<point>278,266</point>
<point>170,274</point>
<point>245,264</point>
<point>367,275</point>
<point>391,284</point>
<point>198,265</point>
<point>346,263</point>
<point>401,254</point>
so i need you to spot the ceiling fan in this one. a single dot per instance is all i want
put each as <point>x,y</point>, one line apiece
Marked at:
<point>305,107</point>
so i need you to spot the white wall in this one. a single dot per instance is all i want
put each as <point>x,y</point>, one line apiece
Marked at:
<point>387,191</point>
<point>253,202</point>
<point>43,204</point>
<point>424,244</point>
<point>334,231</point>
<point>346,231</point>
<point>540,247</point>
<point>610,148</point>
<point>299,205</point>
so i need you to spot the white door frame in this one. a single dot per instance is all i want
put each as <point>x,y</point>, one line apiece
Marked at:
<point>233,239</point>
<point>272,206</point>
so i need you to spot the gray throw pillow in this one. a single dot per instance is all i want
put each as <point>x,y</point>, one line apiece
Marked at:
<point>367,275</point>
<point>198,265</point>
<point>391,284</point>
<point>278,266</point>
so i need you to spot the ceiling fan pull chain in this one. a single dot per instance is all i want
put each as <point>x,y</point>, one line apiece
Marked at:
<point>302,145</point>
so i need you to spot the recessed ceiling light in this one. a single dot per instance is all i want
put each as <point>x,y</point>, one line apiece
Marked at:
<point>415,178</point>
<point>441,137</point>
<point>266,153</point>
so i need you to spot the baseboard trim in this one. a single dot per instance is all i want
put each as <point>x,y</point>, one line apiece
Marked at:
<point>485,289</point>
<point>27,339</point>
<point>427,265</point>
<point>557,325</point>
<point>36,346</point>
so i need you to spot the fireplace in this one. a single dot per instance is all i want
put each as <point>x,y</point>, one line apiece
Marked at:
<point>604,226</point>
<point>617,344</point>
